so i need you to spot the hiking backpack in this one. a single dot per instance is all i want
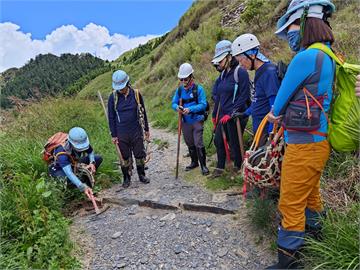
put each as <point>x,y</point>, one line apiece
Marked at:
<point>281,68</point>
<point>196,99</point>
<point>344,130</point>
<point>54,141</point>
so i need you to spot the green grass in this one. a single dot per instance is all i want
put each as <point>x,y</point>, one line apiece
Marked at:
<point>42,241</point>
<point>263,212</point>
<point>161,143</point>
<point>34,232</point>
<point>224,182</point>
<point>340,247</point>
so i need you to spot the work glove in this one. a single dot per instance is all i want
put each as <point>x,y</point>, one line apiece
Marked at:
<point>225,119</point>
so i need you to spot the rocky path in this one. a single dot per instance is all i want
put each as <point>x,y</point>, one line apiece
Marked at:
<point>133,236</point>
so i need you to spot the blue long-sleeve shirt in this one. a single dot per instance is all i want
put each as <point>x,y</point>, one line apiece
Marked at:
<point>266,86</point>
<point>225,93</point>
<point>315,70</point>
<point>194,107</point>
<point>63,162</point>
<point>125,118</point>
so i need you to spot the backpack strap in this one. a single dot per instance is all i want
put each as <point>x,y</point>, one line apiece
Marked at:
<point>72,160</point>
<point>137,96</point>
<point>326,50</point>
<point>116,100</point>
<point>195,93</point>
<point>236,85</point>
<point>262,71</point>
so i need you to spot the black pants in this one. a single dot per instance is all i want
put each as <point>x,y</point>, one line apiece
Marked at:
<point>233,142</point>
<point>132,144</point>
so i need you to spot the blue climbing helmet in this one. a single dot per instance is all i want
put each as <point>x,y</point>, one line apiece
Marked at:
<point>222,49</point>
<point>314,8</point>
<point>119,80</point>
<point>78,139</point>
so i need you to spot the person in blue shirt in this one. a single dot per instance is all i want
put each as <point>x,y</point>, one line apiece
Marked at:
<point>77,149</point>
<point>128,125</point>
<point>190,100</point>
<point>309,77</point>
<point>245,49</point>
<point>232,96</point>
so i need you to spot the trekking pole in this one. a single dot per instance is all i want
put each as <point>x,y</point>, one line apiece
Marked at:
<point>226,146</point>
<point>178,141</point>
<point>240,136</point>
<point>92,198</point>
<point>121,159</point>
<point>216,123</point>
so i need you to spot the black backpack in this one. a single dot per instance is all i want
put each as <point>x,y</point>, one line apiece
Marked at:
<point>196,99</point>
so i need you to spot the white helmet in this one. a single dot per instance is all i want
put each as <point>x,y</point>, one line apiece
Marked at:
<point>244,43</point>
<point>185,71</point>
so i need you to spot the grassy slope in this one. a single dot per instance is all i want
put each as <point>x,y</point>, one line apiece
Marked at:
<point>155,75</point>
<point>158,82</point>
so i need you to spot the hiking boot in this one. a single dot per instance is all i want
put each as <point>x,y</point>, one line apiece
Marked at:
<point>126,177</point>
<point>287,259</point>
<point>216,173</point>
<point>141,173</point>
<point>194,159</point>
<point>202,158</point>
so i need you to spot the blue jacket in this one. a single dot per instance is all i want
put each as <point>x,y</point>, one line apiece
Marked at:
<point>195,107</point>
<point>224,93</point>
<point>63,162</point>
<point>125,119</point>
<point>266,86</point>
<point>315,70</point>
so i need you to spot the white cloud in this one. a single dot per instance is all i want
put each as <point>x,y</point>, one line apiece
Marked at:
<point>17,48</point>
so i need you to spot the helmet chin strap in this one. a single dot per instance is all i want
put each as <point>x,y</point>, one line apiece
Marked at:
<point>252,60</point>
<point>302,23</point>
<point>189,83</point>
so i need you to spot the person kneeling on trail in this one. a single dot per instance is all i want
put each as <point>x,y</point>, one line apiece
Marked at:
<point>190,101</point>
<point>67,157</point>
<point>245,49</point>
<point>128,125</point>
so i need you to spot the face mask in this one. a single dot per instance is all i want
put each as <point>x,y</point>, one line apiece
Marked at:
<point>293,38</point>
<point>219,69</point>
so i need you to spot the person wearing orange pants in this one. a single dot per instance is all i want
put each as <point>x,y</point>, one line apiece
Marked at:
<point>300,191</point>
<point>303,101</point>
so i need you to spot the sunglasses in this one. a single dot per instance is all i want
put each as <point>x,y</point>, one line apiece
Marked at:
<point>184,79</point>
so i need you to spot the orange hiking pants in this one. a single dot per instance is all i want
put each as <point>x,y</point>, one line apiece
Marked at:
<point>300,182</point>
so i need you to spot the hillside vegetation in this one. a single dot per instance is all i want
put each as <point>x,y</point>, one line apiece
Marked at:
<point>34,233</point>
<point>49,75</point>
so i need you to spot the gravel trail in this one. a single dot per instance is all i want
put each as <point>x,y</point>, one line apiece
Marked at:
<point>129,236</point>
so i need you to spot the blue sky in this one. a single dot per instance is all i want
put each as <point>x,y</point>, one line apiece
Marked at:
<point>131,18</point>
<point>105,28</point>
